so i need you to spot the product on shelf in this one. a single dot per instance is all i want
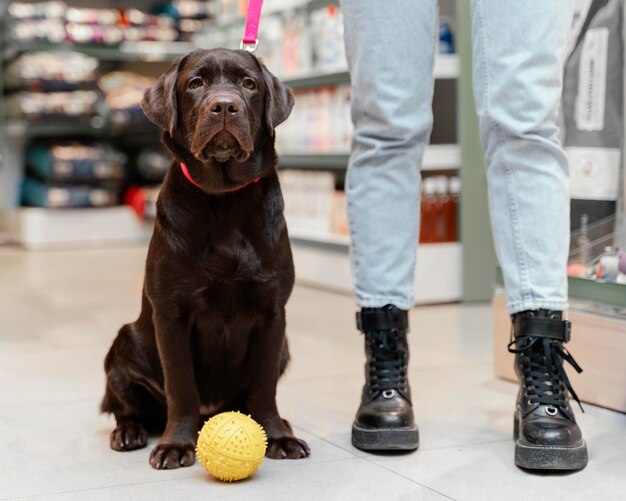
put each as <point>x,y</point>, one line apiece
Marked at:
<point>73,162</point>
<point>452,211</point>
<point>588,243</point>
<point>293,42</point>
<point>136,17</point>
<point>309,201</point>
<point>51,105</point>
<point>320,122</point>
<point>327,36</point>
<point>123,91</point>
<point>37,194</point>
<point>190,15</point>
<point>51,71</point>
<point>84,15</point>
<point>73,174</point>
<point>446,36</point>
<point>143,200</point>
<point>294,38</point>
<point>188,28</point>
<point>427,211</point>
<point>608,266</point>
<point>37,30</point>
<point>36,22</point>
<point>54,22</point>
<point>42,10</point>
<point>194,9</point>
<point>98,34</point>
<point>294,54</point>
<point>228,10</point>
<point>438,209</point>
<point>152,163</point>
<point>340,214</point>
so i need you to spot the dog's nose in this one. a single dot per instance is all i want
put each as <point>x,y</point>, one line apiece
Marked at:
<point>223,106</point>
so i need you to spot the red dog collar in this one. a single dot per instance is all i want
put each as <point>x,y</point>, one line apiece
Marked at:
<point>185,170</point>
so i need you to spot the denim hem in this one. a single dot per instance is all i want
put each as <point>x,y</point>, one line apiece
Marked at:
<point>380,301</point>
<point>534,304</point>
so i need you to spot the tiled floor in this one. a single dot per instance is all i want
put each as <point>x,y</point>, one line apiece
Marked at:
<point>60,310</point>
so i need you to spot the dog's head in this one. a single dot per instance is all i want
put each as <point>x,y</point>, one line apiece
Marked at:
<point>218,109</point>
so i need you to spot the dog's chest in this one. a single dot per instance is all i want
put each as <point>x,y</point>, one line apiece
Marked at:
<point>232,257</point>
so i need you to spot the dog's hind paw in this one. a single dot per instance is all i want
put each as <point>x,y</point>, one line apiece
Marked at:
<point>128,436</point>
<point>287,448</point>
<point>171,456</point>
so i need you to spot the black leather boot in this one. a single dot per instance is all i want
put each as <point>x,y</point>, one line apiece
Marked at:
<point>384,420</point>
<point>545,430</point>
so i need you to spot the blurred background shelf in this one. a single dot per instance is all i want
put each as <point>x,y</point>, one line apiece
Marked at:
<point>446,67</point>
<point>333,240</point>
<point>126,51</point>
<point>96,127</point>
<point>317,71</point>
<point>325,262</point>
<point>37,228</point>
<point>436,157</point>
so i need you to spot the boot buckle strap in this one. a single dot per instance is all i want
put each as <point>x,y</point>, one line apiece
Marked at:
<point>387,318</point>
<point>538,327</point>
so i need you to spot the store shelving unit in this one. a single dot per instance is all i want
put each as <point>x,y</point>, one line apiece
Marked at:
<point>437,157</point>
<point>34,227</point>
<point>42,228</point>
<point>126,51</point>
<point>446,66</point>
<point>323,260</point>
<point>320,259</point>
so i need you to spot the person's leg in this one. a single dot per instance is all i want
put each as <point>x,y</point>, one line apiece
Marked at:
<point>519,50</point>
<point>390,49</point>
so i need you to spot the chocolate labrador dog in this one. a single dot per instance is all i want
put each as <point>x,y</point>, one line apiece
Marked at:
<point>211,333</point>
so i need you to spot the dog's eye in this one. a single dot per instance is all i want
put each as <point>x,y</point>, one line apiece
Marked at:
<point>196,82</point>
<point>249,84</point>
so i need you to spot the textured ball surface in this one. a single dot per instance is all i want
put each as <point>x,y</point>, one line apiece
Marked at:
<point>231,446</point>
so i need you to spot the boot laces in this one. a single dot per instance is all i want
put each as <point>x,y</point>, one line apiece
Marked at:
<point>387,367</point>
<point>542,366</point>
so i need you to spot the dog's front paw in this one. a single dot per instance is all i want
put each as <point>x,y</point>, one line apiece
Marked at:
<point>128,436</point>
<point>288,447</point>
<point>171,456</point>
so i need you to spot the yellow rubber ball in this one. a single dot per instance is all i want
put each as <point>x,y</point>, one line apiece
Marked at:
<point>231,446</point>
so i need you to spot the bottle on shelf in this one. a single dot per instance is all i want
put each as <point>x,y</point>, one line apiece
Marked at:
<point>452,209</point>
<point>442,201</point>
<point>427,208</point>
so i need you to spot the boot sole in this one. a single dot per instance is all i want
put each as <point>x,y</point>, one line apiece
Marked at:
<point>548,457</point>
<point>385,439</point>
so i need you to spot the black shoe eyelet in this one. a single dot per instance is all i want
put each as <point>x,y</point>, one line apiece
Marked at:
<point>551,411</point>
<point>389,393</point>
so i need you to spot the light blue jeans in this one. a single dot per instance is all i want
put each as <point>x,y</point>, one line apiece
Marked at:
<point>518,54</point>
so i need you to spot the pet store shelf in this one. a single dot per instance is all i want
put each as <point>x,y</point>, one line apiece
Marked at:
<point>605,293</point>
<point>342,241</point>
<point>446,67</point>
<point>23,128</point>
<point>126,51</point>
<point>325,262</point>
<point>36,228</point>
<point>436,157</point>
<point>95,127</point>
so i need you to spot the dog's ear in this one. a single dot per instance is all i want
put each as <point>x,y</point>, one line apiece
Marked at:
<point>278,100</point>
<point>159,102</point>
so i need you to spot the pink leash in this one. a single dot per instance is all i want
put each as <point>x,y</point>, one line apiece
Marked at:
<point>250,41</point>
